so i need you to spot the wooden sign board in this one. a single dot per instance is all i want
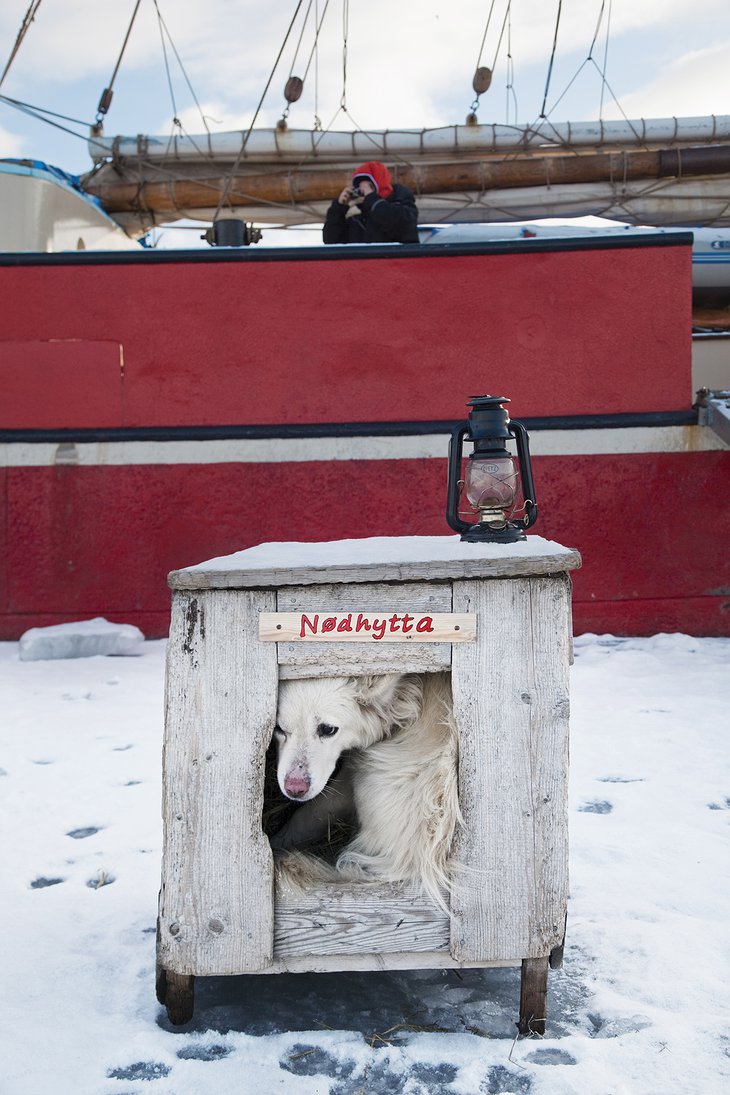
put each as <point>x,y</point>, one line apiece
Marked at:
<point>367,627</point>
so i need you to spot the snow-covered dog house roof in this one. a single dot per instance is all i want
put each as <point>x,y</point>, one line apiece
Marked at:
<point>380,558</point>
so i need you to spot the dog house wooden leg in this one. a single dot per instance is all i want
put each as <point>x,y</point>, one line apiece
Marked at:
<point>176,991</point>
<point>533,996</point>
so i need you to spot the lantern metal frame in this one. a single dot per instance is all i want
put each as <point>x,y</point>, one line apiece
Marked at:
<point>488,427</point>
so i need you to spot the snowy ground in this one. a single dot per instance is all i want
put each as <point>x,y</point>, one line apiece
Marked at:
<point>640,1007</point>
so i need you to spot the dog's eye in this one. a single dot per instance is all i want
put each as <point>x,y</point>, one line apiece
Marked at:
<point>326,731</point>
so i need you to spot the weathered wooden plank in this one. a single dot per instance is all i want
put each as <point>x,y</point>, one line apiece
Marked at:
<point>511,704</point>
<point>551,645</point>
<point>494,885</point>
<point>339,659</point>
<point>406,960</point>
<point>375,559</point>
<point>216,904</point>
<point>388,660</point>
<point>367,918</point>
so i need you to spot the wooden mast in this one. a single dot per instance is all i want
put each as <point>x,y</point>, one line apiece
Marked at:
<point>170,195</point>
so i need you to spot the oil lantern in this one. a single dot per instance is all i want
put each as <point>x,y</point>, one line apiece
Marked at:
<point>491,485</point>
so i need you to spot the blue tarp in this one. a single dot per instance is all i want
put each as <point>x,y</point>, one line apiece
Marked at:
<point>38,167</point>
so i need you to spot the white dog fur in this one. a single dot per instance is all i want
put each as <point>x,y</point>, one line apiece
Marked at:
<point>398,743</point>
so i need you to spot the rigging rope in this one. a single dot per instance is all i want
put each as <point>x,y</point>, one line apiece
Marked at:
<point>506,21</point>
<point>597,30</point>
<point>552,58</point>
<point>568,86</point>
<point>295,84</point>
<point>314,50</point>
<point>345,28</point>
<point>625,117</point>
<point>37,111</point>
<point>301,35</point>
<point>501,35</point>
<point>163,24</point>
<point>472,117</point>
<point>24,28</point>
<point>510,86</point>
<point>175,119</point>
<point>315,54</point>
<point>484,36</point>
<point>106,96</point>
<point>604,82</point>
<point>242,149</point>
<point>590,59</point>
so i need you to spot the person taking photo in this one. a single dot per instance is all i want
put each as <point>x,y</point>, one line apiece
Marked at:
<point>372,209</point>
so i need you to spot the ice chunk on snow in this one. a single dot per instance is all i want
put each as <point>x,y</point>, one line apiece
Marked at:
<point>80,640</point>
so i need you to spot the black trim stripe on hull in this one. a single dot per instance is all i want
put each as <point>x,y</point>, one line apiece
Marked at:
<point>629,420</point>
<point>149,257</point>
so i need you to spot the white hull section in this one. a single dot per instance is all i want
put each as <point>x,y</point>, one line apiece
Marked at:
<point>40,212</point>
<point>589,442</point>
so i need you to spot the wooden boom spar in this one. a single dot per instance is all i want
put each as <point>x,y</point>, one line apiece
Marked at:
<point>170,191</point>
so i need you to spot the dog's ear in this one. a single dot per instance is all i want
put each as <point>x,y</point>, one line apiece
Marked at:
<point>376,691</point>
<point>394,698</point>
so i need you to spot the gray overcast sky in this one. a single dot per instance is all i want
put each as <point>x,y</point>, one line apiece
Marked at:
<point>410,65</point>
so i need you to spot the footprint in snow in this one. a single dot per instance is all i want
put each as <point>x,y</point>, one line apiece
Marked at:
<point>550,1056</point>
<point>502,1080</point>
<point>434,1077</point>
<point>213,1052</point>
<point>41,883</point>
<point>381,1079</point>
<point>304,1060</point>
<point>82,834</point>
<point>140,1070</point>
<point>597,807</point>
<point>615,1028</point>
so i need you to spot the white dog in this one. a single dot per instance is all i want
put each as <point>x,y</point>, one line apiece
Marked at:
<point>385,749</point>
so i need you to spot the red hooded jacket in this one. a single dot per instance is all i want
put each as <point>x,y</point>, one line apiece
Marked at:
<point>377,174</point>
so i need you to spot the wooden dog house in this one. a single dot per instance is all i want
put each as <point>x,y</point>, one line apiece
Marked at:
<point>218,910</point>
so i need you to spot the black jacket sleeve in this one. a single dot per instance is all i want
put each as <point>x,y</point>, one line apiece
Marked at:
<point>335,225</point>
<point>394,219</point>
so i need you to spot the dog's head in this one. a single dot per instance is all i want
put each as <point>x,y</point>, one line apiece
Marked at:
<point>319,719</point>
